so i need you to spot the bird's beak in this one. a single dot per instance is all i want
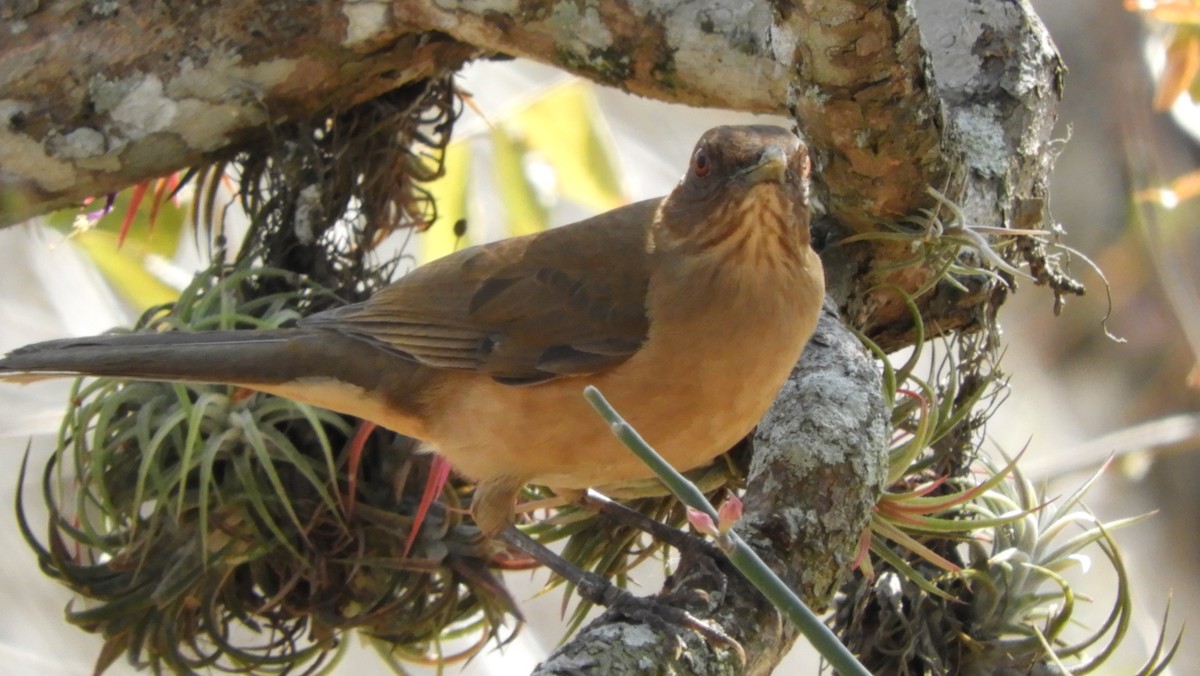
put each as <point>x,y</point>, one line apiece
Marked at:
<point>772,166</point>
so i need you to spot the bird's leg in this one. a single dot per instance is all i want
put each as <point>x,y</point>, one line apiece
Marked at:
<point>559,499</point>
<point>592,587</point>
<point>616,512</point>
<point>492,506</point>
<point>439,473</point>
<point>598,590</point>
<point>679,539</point>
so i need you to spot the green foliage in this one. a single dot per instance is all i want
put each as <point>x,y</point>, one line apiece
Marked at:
<point>203,528</point>
<point>962,563</point>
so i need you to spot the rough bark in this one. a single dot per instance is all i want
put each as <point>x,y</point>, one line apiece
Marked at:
<point>998,78</point>
<point>817,469</point>
<point>97,96</point>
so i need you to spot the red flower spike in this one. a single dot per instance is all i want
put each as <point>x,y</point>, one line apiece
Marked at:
<point>135,200</point>
<point>353,460</point>
<point>439,472</point>
<point>164,186</point>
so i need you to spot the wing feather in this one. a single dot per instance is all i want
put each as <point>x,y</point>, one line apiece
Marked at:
<point>568,301</point>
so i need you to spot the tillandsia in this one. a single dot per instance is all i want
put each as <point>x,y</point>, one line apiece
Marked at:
<point>951,249</point>
<point>203,525</point>
<point>963,561</point>
<point>208,527</point>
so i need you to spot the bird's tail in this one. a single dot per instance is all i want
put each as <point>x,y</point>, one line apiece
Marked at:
<point>230,357</point>
<point>319,367</point>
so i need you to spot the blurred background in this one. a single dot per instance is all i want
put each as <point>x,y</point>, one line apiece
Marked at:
<point>1076,396</point>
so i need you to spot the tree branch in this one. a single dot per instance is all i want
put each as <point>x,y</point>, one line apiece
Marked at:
<point>998,80</point>
<point>849,69</point>
<point>95,97</point>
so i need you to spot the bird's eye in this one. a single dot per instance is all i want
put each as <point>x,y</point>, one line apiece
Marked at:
<point>700,163</point>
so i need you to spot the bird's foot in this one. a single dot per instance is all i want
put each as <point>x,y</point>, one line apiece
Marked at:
<point>679,539</point>
<point>655,612</point>
<point>492,505</point>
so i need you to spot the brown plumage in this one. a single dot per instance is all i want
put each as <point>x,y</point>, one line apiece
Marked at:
<point>688,312</point>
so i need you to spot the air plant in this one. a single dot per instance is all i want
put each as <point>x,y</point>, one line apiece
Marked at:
<point>963,561</point>
<point>202,525</point>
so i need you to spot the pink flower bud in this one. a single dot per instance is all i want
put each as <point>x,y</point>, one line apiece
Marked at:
<point>701,521</point>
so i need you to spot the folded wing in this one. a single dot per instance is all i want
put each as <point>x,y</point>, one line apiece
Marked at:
<point>571,301</point>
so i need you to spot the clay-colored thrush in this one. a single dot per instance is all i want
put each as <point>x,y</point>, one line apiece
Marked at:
<point>688,312</point>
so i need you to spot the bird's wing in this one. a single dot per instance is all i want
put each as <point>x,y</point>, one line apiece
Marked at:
<point>568,301</point>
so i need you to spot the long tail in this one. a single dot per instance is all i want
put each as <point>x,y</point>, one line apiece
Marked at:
<point>319,367</point>
<point>231,357</point>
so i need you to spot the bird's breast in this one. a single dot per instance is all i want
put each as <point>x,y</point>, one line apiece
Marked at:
<point>711,365</point>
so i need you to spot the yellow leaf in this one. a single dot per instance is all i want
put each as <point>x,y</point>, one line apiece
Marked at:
<point>125,268</point>
<point>565,127</point>
<point>525,213</point>
<point>450,195</point>
<point>1180,190</point>
<point>559,136</point>
<point>1182,66</point>
<point>1167,11</point>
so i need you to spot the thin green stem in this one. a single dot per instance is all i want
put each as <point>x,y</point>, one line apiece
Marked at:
<point>740,554</point>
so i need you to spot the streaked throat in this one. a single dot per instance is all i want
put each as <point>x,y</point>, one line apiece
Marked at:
<point>760,231</point>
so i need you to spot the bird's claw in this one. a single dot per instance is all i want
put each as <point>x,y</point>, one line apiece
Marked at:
<point>652,611</point>
<point>655,613</point>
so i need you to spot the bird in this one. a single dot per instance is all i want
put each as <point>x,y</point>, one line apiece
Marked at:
<point>688,312</point>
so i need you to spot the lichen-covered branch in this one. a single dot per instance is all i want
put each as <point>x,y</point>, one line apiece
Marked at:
<point>998,79</point>
<point>818,466</point>
<point>893,99</point>
<point>850,70</point>
<point>97,96</point>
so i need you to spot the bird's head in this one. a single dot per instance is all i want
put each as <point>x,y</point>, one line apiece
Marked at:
<point>745,190</point>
